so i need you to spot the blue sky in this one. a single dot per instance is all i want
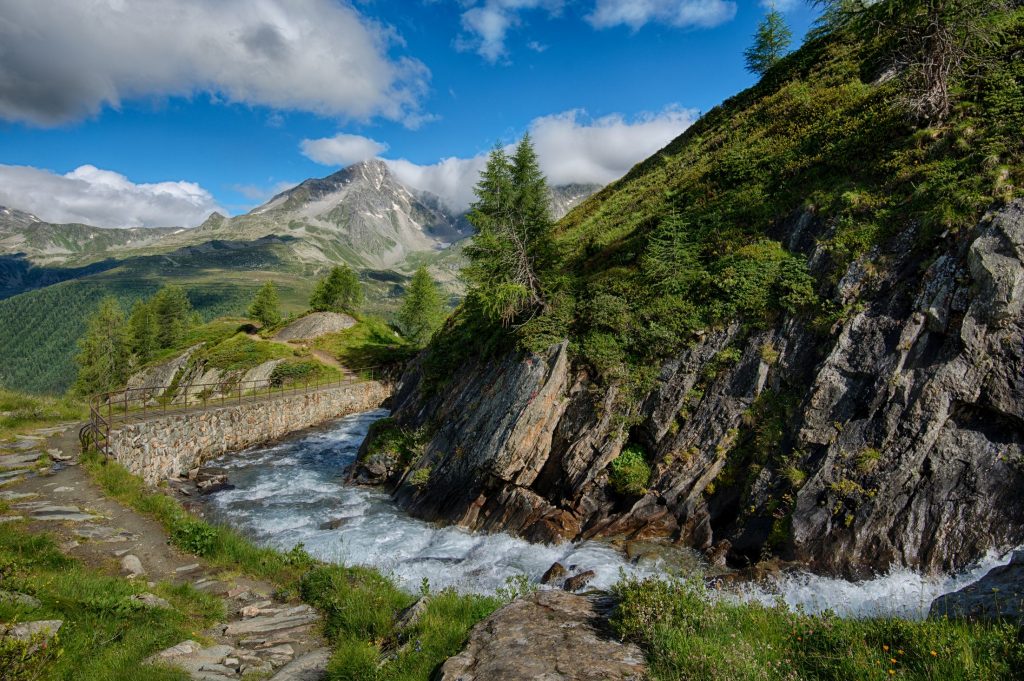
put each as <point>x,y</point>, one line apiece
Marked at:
<point>212,105</point>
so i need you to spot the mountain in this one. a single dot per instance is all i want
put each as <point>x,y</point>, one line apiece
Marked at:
<point>361,215</point>
<point>44,242</point>
<point>53,276</point>
<point>795,332</point>
<point>565,197</point>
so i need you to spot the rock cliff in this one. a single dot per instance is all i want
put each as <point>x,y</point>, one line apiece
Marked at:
<point>894,438</point>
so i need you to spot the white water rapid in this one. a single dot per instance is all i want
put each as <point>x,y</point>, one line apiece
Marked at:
<point>293,492</point>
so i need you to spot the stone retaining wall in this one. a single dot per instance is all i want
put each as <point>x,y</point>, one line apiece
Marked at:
<point>173,444</point>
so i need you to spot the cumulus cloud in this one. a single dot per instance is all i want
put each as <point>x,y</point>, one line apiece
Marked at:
<point>341,150</point>
<point>781,5</point>
<point>571,148</point>
<point>679,13</point>
<point>103,198</point>
<point>64,60</point>
<point>486,26</point>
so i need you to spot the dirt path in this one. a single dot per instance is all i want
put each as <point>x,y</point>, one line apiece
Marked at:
<point>261,635</point>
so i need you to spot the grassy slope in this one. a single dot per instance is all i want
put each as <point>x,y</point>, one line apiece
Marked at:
<point>105,635</point>
<point>21,413</point>
<point>818,134</point>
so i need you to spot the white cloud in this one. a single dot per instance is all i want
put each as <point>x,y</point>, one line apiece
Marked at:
<point>341,150</point>
<point>103,198</point>
<point>571,149</point>
<point>487,25</point>
<point>679,13</point>
<point>64,60</point>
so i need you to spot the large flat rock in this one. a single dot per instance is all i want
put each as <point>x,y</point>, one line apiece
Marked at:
<point>315,325</point>
<point>299,616</point>
<point>998,595</point>
<point>550,635</point>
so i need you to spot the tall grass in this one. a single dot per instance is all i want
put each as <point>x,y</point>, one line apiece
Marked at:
<point>20,413</point>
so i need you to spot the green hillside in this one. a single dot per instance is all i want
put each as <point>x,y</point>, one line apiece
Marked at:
<point>689,239</point>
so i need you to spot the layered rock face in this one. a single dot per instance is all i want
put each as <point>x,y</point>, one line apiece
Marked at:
<point>894,438</point>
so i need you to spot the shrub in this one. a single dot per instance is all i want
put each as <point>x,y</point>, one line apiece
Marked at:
<point>420,477</point>
<point>194,536</point>
<point>630,473</point>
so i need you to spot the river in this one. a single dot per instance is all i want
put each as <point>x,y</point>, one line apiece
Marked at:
<point>293,492</point>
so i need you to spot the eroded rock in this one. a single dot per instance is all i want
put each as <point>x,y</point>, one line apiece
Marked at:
<point>548,635</point>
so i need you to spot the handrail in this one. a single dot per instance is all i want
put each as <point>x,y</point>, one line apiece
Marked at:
<point>120,406</point>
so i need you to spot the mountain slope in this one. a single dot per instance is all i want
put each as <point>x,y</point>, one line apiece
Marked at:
<point>796,329</point>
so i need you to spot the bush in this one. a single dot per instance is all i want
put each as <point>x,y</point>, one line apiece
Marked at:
<point>630,473</point>
<point>194,536</point>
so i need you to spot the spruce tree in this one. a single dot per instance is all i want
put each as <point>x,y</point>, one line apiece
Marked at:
<point>339,291</point>
<point>266,307</point>
<point>512,245</point>
<point>143,331</point>
<point>104,351</point>
<point>422,310</point>
<point>771,42</point>
<point>174,315</point>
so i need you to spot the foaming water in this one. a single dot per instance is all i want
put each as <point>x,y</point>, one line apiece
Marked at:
<point>293,492</point>
<point>900,593</point>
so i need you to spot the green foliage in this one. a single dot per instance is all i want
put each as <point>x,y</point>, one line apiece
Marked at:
<point>512,250</point>
<point>104,351</point>
<point>689,634</point>
<point>266,306</point>
<point>143,331</point>
<point>629,473</point>
<point>339,291</point>
<point>194,536</point>
<point>422,311</point>
<point>420,477</point>
<point>771,41</point>
<point>295,372</point>
<point>387,439</point>
<point>174,315</point>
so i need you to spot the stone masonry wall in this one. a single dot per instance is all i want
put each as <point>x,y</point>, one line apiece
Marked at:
<point>173,444</point>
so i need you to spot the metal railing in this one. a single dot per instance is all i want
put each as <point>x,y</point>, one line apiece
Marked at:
<point>138,404</point>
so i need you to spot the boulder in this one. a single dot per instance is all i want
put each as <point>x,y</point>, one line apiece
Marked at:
<point>554,573</point>
<point>314,325</point>
<point>999,595</point>
<point>578,581</point>
<point>547,635</point>
<point>131,565</point>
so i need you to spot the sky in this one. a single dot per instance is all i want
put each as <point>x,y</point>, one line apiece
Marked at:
<point>158,112</point>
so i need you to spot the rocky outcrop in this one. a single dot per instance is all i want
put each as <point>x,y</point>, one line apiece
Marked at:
<point>894,438</point>
<point>548,635</point>
<point>314,325</point>
<point>996,596</point>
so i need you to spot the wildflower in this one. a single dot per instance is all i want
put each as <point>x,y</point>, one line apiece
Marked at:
<point>892,659</point>
<point>900,651</point>
<point>885,648</point>
<point>934,654</point>
<point>892,672</point>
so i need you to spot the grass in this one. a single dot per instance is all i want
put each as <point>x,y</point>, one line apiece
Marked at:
<point>370,343</point>
<point>21,413</point>
<point>105,635</point>
<point>361,606</point>
<point>690,635</point>
<point>240,352</point>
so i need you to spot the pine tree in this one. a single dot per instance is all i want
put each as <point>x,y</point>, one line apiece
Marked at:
<point>339,291</point>
<point>104,351</point>
<point>422,310</point>
<point>143,331</point>
<point>512,244</point>
<point>771,42</point>
<point>266,307</point>
<point>174,315</point>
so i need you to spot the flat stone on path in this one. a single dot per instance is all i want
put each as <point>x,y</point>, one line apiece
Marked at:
<point>13,473</point>
<point>299,616</point>
<point>19,460</point>
<point>547,635</point>
<point>10,518</point>
<point>309,667</point>
<point>152,601</point>
<point>132,565</point>
<point>41,510</point>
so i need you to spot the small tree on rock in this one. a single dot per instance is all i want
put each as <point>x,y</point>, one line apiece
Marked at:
<point>771,42</point>
<point>266,306</point>
<point>339,291</point>
<point>422,310</point>
<point>104,352</point>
